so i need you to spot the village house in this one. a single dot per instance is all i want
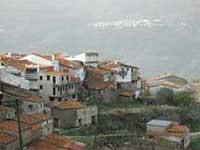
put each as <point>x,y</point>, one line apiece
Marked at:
<point>75,68</point>
<point>101,84</point>
<point>169,81</point>
<point>55,142</point>
<point>29,103</point>
<point>52,85</point>
<point>170,131</point>
<point>88,58</point>
<point>71,114</point>
<point>126,75</point>
<point>11,127</point>
<point>42,125</point>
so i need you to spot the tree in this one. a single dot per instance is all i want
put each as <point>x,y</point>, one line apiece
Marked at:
<point>165,96</point>
<point>182,98</point>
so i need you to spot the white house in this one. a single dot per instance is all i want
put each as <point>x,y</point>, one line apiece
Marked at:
<point>126,75</point>
<point>88,58</point>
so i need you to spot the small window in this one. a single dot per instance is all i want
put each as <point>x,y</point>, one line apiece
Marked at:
<point>59,99</point>
<point>62,78</point>
<point>30,107</point>
<point>51,98</point>
<point>54,80</point>
<point>67,77</point>
<point>41,77</point>
<point>48,77</point>
<point>41,87</point>
<point>54,91</point>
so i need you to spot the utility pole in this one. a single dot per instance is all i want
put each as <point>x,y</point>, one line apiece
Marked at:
<point>19,125</point>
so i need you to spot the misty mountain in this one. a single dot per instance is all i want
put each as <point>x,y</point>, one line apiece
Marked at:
<point>157,35</point>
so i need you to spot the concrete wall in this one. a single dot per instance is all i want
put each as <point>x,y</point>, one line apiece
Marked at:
<point>37,107</point>
<point>66,118</point>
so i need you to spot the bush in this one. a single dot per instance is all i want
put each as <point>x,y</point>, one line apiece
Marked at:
<point>165,96</point>
<point>182,98</point>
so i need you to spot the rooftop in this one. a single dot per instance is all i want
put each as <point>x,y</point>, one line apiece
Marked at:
<point>11,125</point>
<point>57,73</point>
<point>6,109</point>
<point>6,138</point>
<point>161,123</point>
<point>70,105</point>
<point>54,142</point>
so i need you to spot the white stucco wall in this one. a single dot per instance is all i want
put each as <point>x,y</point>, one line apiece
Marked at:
<point>37,60</point>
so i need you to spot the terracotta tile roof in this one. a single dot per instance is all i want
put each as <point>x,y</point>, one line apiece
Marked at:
<point>15,63</point>
<point>74,79</point>
<point>34,118</point>
<point>23,94</point>
<point>126,93</point>
<point>100,85</point>
<point>6,109</point>
<point>11,125</point>
<point>43,145</point>
<point>69,64</point>
<point>54,142</point>
<point>70,105</point>
<point>57,73</point>
<point>33,98</point>
<point>6,138</point>
<point>178,128</point>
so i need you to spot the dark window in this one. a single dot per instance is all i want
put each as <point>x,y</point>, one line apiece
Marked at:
<point>41,87</point>
<point>41,77</point>
<point>67,78</point>
<point>51,98</point>
<point>80,122</point>
<point>62,78</point>
<point>54,91</point>
<point>30,107</point>
<point>93,120</point>
<point>59,99</point>
<point>54,79</point>
<point>56,122</point>
<point>48,77</point>
<point>73,96</point>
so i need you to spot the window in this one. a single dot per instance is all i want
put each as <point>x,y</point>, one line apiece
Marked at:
<point>67,78</point>
<point>80,122</point>
<point>54,91</point>
<point>41,87</point>
<point>51,98</point>
<point>54,80</point>
<point>59,99</point>
<point>30,107</point>
<point>41,77</point>
<point>62,78</point>
<point>48,77</point>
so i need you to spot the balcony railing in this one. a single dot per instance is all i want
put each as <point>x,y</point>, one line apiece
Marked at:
<point>31,76</point>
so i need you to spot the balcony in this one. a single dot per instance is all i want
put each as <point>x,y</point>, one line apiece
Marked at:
<point>31,76</point>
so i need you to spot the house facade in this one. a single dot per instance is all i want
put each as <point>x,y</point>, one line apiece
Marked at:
<point>72,114</point>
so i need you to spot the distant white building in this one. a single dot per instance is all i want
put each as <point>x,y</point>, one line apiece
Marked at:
<point>126,75</point>
<point>88,58</point>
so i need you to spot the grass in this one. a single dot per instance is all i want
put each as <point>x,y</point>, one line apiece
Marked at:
<point>195,144</point>
<point>107,106</point>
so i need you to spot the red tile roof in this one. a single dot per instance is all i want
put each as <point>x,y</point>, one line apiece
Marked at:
<point>54,142</point>
<point>70,105</point>
<point>6,109</point>
<point>74,79</point>
<point>11,125</point>
<point>6,138</point>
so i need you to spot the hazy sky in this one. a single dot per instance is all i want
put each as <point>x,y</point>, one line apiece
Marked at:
<point>49,25</point>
